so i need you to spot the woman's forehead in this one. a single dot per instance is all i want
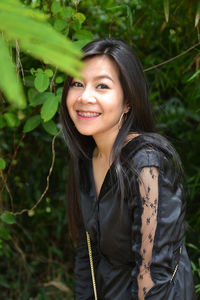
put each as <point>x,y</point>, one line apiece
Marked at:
<point>99,66</point>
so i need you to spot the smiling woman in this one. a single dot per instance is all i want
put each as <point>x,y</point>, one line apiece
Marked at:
<point>126,203</point>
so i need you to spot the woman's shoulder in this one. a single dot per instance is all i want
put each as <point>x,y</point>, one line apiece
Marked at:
<point>149,149</point>
<point>148,142</point>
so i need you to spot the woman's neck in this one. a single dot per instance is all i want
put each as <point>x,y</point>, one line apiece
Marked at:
<point>104,147</point>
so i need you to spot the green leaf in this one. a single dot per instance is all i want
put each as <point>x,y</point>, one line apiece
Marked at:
<point>61,59</point>
<point>49,108</point>
<point>50,127</point>
<point>84,35</point>
<point>11,119</point>
<point>32,93</point>
<point>59,79</point>
<point>55,7</point>
<point>81,43</point>
<point>166,9</point>
<point>60,24</point>
<point>68,12</point>
<point>197,288</point>
<point>39,70</point>
<point>39,98</point>
<point>49,72</point>
<point>80,17</point>
<point>115,8</point>
<point>2,122</point>
<point>15,94</point>
<point>75,25</point>
<point>41,81</point>
<point>59,92</point>
<point>194,75</point>
<point>4,234</point>
<point>2,163</point>
<point>32,71</point>
<point>32,123</point>
<point>7,218</point>
<point>129,15</point>
<point>13,5</point>
<point>193,246</point>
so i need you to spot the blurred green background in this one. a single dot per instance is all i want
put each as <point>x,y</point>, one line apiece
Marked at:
<point>36,253</point>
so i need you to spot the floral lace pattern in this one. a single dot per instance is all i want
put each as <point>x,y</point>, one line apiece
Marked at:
<point>148,187</point>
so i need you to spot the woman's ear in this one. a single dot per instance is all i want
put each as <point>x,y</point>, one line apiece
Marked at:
<point>126,108</point>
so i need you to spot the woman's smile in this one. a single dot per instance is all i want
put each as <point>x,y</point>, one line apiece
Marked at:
<point>87,115</point>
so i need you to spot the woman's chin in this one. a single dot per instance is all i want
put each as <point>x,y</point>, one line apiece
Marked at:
<point>85,132</point>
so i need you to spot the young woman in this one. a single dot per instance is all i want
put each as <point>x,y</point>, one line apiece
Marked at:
<point>124,184</point>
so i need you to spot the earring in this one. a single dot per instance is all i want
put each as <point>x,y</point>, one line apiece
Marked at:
<point>120,119</point>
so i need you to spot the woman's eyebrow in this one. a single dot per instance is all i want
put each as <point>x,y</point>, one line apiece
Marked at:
<point>103,76</point>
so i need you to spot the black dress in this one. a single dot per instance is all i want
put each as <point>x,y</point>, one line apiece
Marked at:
<point>139,253</point>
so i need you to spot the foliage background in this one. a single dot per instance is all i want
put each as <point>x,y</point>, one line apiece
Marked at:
<point>35,248</point>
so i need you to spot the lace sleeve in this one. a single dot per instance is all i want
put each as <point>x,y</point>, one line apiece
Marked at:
<point>148,188</point>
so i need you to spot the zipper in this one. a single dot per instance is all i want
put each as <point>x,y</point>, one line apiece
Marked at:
<point>91,265</point>
<point>176,267</point>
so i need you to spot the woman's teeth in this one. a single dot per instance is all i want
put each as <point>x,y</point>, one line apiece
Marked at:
<point>88,114</point>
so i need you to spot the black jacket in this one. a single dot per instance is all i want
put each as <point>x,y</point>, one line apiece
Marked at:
<point>117,239</point>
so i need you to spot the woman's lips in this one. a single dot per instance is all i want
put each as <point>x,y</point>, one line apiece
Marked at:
<point>85,115</point>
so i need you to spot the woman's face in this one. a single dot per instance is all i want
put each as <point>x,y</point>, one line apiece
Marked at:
<point>96,102</point>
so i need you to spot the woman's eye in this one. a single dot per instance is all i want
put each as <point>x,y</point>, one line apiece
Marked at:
<point>102,86</point>
<point>76,84</point>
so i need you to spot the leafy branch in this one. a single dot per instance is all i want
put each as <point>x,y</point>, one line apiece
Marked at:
<point>38,39</point>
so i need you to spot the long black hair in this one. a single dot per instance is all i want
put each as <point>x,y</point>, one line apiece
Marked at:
<point>138,119</point>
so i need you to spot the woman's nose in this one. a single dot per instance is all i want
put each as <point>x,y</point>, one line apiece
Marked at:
<point>87,95</point>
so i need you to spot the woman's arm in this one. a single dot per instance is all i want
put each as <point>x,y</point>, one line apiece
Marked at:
<point>148,189</point>
<point>157,227</point>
